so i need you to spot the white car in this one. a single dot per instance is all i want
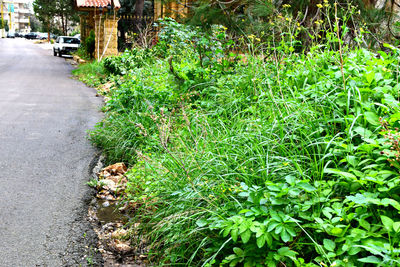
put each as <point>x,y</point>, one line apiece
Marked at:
<point>65,45</point>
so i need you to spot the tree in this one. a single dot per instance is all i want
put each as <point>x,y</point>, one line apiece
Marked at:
<point>45,10</point>
<point>34,23</point>
<point>55,15</point>
<point>66,13</point>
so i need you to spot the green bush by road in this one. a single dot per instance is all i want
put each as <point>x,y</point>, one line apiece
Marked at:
<point>279,159</point>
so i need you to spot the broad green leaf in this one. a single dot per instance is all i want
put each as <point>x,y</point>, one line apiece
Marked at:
<point>378,76</point>
<point>372,118</point>
<point>387,222</point>
<point>261,241</point>
<point>243,227</point>
<point>286,252</point>
<point>238,251</point>
<point>268,238</point>
<point>326,212</point>
<point>306,187</point>
<point>285,236</point>
<point>244,211</point>
<point>290,179</point>
<point>395,117</point>
<point>272,226</point>
<point>392,202</point>
<point>370,76</point>
<point>341,173</point>
<point>234,234</point>
<point>371,259</point>
<point>336,231</point>
<point>329,245</point>
<point>354,250</point>
<point>226,231</point>
<point>278,229</point>
<point>245,236</point>
<point>365,224</point>
<point>201,222</point>
<point>365,133</point>
<point>396,227</point>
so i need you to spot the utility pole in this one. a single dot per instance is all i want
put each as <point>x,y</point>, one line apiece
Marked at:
<point>9,9</point>
<point>2,20</point>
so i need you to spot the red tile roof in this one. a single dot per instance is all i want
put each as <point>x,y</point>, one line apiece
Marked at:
<point>97,3</point>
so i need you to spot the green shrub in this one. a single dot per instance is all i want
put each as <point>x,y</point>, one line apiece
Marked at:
<point>264,161</point>
<point>90,44</point>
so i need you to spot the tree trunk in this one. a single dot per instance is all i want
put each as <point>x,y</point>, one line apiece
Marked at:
<point>48,32</point>
<point>62,23</point>
<point>139,14</point>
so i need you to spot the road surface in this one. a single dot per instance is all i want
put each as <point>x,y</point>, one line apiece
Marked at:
<point>45,158</point>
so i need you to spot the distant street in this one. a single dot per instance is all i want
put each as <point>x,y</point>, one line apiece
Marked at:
<point>45,157</point>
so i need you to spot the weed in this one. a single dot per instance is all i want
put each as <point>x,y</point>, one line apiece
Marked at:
<point>284,160</point>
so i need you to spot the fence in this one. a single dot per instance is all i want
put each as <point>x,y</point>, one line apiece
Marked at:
<point>133,29</point>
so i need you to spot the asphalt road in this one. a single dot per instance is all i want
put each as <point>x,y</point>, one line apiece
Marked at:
<point>45,158</point>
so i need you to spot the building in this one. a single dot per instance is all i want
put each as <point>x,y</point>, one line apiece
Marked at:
<point>99,16</point>
<point>16,13</point>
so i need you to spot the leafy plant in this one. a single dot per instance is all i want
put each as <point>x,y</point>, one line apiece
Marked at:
<point>260,160</point>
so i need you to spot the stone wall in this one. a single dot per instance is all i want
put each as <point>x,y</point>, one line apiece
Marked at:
<point>106,30</point>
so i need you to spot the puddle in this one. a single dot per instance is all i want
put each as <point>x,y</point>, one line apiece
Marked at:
<point>107,211</point>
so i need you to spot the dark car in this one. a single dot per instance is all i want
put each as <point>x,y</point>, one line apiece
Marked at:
<point>32,35</point>
<point>17,34</point>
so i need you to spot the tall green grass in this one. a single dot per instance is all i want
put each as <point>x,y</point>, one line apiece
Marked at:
<point>93,73</point>
<point>259,162</point>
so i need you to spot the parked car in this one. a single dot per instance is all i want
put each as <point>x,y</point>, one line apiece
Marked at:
<point>65,45</point>
<point>17,34</point>
<point>78,36</point>
<point>43,35</point>
<point>32,35</point>
<point>10,35</point>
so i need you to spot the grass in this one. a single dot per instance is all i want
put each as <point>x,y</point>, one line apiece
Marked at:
<point>93,73</point>
<point>268,161</point>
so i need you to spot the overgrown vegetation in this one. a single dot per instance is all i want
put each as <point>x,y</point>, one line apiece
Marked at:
<point>92,74</point>
<point>269,158</point>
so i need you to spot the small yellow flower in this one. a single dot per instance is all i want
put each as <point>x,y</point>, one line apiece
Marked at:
<point>341,219</point>
<point>286,6</point>
<point>319,5</point>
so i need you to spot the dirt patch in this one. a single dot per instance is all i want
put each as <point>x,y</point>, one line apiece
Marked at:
<point>109,219</point>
